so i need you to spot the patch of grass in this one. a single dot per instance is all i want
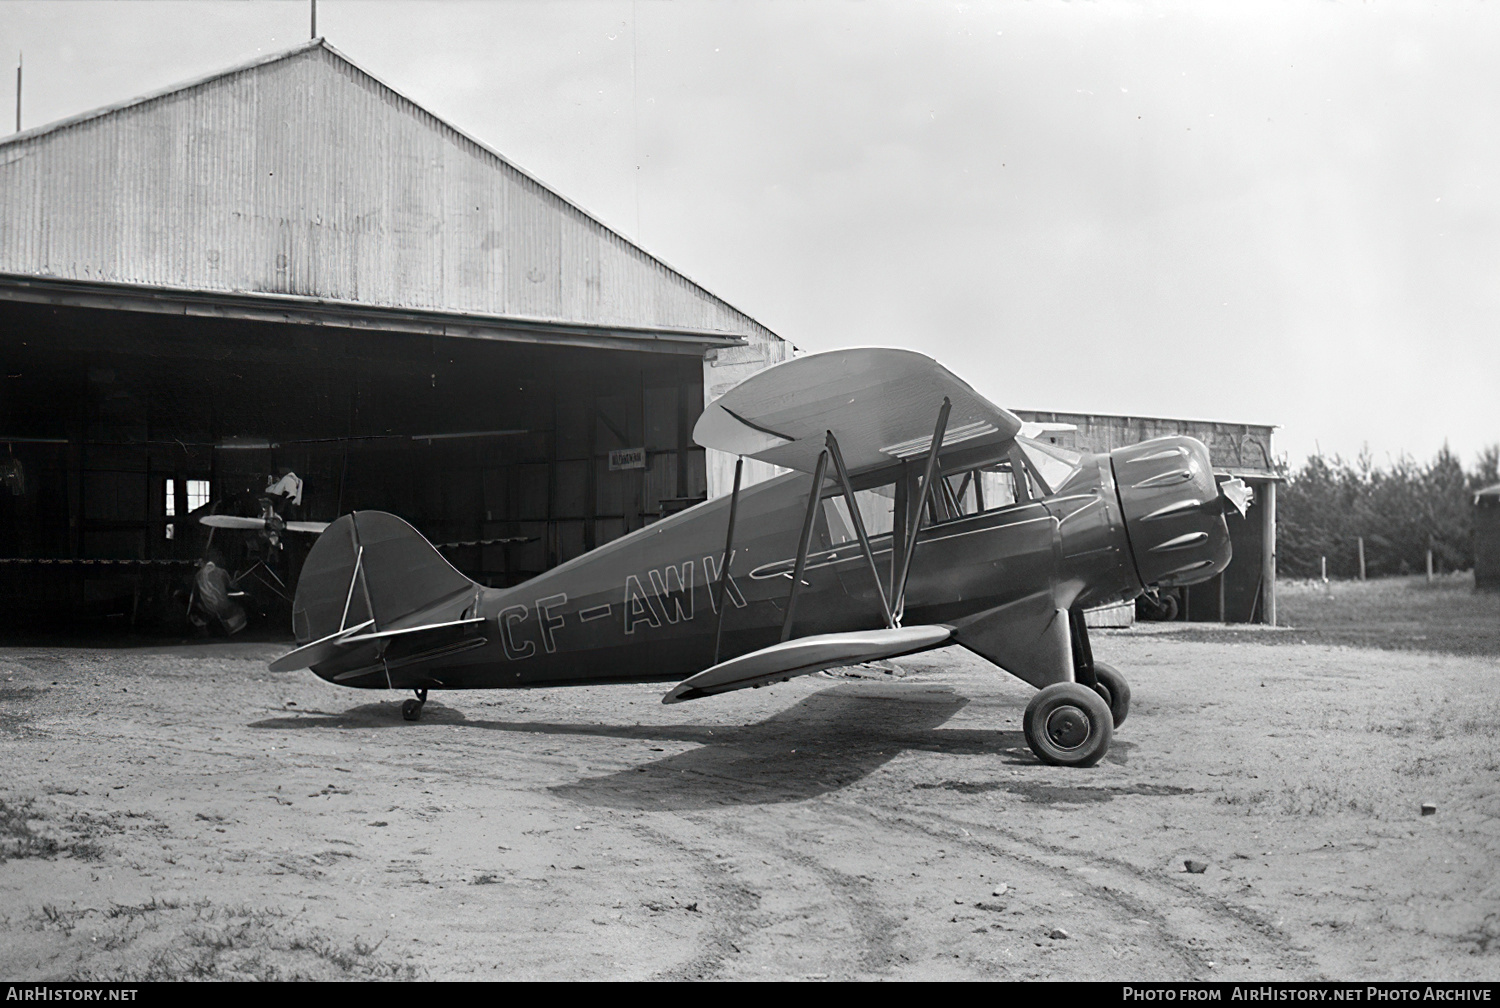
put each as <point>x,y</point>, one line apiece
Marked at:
<point>1446,616</point>
<point>1306,799</point>
<point>21,838</point>
<point>54,918</point>
<point>18,838</point>
<point>1301,800</point>
<point>223,943</point>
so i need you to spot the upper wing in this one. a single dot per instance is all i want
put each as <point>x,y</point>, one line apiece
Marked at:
<point>881,404</point>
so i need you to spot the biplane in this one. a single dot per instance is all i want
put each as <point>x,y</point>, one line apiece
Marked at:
<point>915,515</point>
<point>219,588</point>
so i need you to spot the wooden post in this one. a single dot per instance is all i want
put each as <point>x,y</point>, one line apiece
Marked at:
<point>1429,565</point>
<point>1267,498</point>
<point>1361,540</point>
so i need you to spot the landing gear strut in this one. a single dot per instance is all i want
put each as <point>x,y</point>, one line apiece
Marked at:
<point>1072,723</point>
<point>1103,679</point>
<point>412,709</point>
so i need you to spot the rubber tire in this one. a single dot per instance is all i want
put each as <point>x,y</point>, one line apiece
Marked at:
<point>1103,691</point>
<point>1169,608</point>
<point>411,710</point>
<point>1116,691</point>
<point>1048,701</point>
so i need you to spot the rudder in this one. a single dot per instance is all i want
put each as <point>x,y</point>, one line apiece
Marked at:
<point>370,565</point>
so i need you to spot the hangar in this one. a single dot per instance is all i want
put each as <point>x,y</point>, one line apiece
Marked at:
<point>289,266</point>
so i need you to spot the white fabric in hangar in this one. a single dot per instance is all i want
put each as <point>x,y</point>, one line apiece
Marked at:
<point>289,486</point>
<point>882,404</point>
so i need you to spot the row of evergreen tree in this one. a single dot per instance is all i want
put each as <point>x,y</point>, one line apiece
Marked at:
<point>1401,511</point>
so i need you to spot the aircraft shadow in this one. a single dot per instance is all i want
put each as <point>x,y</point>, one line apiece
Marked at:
<point>825,742</point>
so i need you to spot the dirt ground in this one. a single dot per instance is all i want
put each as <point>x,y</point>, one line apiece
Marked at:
<point>181,812</point>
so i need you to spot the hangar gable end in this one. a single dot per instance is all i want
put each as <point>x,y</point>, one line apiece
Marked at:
<point>302,175</point>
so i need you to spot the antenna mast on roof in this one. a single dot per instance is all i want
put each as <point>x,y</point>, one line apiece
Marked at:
<point>314,29</point>
<point>18,91</point>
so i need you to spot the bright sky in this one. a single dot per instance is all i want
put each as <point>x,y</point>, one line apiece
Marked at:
<point>1266,212</point>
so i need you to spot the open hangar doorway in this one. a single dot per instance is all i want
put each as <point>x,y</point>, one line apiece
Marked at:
<point>121,426</point>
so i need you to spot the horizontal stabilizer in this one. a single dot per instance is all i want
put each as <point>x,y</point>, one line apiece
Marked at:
<point>780,662</point>
<point>317,651</point>
<point>322,650</point>
<point>377,634</point>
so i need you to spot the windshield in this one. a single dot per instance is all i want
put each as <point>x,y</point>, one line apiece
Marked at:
<point>1053,464</point>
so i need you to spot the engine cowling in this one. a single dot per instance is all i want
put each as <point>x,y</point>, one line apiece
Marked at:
<point>1174,515</point>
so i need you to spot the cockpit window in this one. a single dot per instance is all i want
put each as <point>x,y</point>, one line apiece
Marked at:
<point>877,507</point>
<point>1054,465</point>
<point>1002,482</point>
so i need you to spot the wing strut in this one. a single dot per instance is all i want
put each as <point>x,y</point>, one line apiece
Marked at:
<point>922,495</point>
<point>814,499</point>
<point>859,526</point>
<point>734,503</point>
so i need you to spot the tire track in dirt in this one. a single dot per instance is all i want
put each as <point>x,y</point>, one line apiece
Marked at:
<point>733,906</point>
<point>1137,892</point>
<point>847,895</point>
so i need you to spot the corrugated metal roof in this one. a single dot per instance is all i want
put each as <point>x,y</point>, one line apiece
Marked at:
<point>301,174</point>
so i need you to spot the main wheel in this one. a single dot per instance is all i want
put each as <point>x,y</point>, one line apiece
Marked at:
<point>1068,724</point>
<point>1116,691</point>
<point>411,710</point>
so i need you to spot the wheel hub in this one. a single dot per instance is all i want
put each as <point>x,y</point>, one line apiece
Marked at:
<point>1068,727</point>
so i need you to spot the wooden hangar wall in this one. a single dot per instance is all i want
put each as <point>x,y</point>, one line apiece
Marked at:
<point>1246,591</point>
<point>559,448</point>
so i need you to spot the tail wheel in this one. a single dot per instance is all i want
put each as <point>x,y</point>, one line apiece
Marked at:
<point>411,710</point>
<point>1068,724</point>
<point>1115,691</point>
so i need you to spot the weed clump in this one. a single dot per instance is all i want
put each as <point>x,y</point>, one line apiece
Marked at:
<point>230,943</point>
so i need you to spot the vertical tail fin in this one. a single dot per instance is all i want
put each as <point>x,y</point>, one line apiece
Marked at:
<point>372,566</point>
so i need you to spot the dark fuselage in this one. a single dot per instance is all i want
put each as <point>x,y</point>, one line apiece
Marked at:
<point>642,608</point>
